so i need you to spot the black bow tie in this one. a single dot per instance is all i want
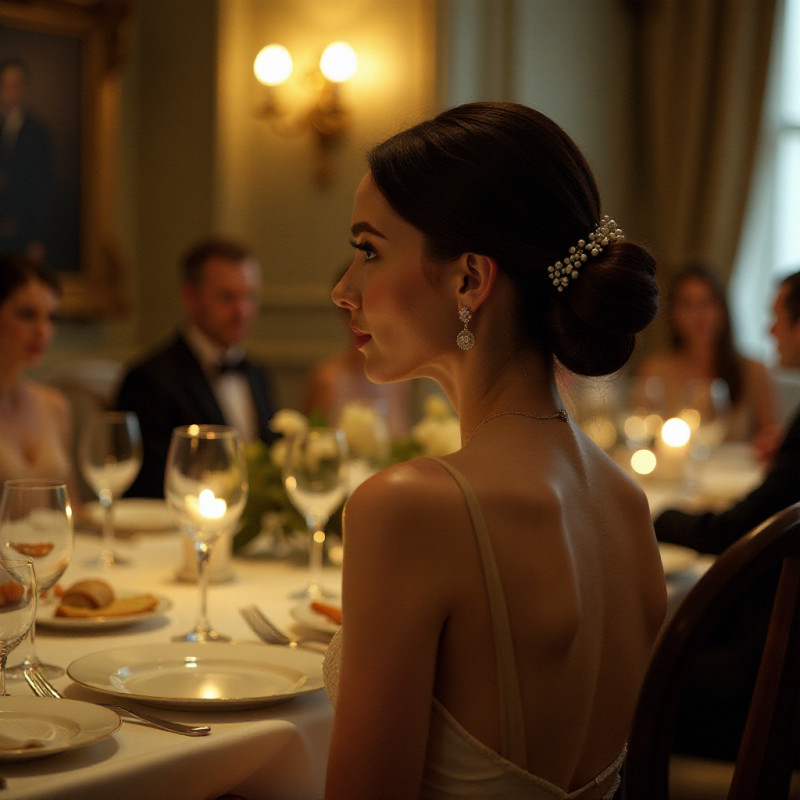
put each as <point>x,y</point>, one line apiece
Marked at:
<point>232,366</point>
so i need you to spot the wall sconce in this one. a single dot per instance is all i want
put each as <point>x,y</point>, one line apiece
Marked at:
<point>327,118</point>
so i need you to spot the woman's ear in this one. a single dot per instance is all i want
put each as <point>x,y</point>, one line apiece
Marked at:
<point>476,276</point>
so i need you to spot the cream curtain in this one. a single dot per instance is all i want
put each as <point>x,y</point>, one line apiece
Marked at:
<point>700,76</point>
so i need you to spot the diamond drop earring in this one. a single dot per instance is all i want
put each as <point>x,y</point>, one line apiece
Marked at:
<point>465,339</point>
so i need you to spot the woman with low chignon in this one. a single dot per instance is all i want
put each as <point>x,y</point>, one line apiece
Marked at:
<point>499,604</point>
<point>35,419</point>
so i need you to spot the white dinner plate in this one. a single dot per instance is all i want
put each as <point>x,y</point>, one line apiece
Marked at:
<point>675,557</point>
<point>57,724</point>
<point>46,617</point>
<point>314,620</point>
<point>187,675</point>
<point>132,514</point>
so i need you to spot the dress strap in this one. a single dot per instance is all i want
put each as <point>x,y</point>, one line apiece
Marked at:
<point>513,742</point>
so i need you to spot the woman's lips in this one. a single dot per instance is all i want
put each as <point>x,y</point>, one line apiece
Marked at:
<point>361,337</point>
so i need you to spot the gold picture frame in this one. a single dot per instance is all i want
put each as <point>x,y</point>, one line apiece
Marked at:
<point>69,54</point>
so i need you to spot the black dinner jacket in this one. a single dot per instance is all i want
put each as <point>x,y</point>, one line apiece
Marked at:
<point>712,533</point>
<point>169,388</point>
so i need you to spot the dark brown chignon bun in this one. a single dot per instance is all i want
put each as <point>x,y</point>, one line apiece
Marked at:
<point>593,323</point>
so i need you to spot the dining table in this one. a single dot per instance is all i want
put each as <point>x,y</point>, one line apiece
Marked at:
<point>275,751</point>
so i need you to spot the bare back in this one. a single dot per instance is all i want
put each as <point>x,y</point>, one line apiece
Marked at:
<point>584,589</point>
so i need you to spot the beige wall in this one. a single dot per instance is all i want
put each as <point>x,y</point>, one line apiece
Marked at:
<point>195,158</point>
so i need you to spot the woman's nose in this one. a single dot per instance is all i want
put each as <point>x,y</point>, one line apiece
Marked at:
<point>343,294</point>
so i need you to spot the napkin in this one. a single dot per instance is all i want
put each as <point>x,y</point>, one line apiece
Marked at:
<point>22,734</point>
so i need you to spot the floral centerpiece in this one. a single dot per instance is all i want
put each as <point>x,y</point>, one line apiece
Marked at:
<point>269,509</point>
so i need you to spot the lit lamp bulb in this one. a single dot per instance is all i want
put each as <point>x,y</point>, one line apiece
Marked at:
<point>273,65</point>
<point>338,62</point>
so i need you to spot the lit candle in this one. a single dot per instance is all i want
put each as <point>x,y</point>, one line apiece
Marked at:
<point>672,448</point>
<point>206,505</point>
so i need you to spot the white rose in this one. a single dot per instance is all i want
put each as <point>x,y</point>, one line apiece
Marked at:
<point>288,422</point>
<point>366,431</point>
<point>437,407</point>
<point>438,437</point>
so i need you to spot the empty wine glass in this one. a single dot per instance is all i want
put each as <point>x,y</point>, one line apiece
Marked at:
<point>36,523</point>
<point>315,477</point>
<point>205,483</point>
<point>110,455</point>
<point>17,607</point>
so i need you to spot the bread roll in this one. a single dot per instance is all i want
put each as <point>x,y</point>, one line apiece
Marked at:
<point>88,594</point>
<point>119,607</point>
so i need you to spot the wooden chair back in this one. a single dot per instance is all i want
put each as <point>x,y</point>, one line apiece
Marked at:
<point>763,764</point>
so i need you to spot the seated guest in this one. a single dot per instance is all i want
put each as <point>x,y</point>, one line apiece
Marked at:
<point>35,420</point>
<point>201,375</point>
<point>702,349</point>
<point>499,604</point>
<point>712,717</point>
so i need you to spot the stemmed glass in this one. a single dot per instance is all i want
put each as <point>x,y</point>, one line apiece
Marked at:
<point>36,523</point>
<point>17,607</point>
<point>205,483</point>
<point>110,455</point>
<point>315,477</point>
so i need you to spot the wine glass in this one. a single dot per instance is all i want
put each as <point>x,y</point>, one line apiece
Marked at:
<point>315,477</point>
<point>110,455</point>
<point>205,483</point>
<point>17,607</point>
<point>36,523</point>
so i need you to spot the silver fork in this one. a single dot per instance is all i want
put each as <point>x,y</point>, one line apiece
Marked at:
<point>266,630</point>
<point>43,688</point>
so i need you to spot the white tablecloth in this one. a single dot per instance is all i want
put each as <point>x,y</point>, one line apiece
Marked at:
<point>275,753</point>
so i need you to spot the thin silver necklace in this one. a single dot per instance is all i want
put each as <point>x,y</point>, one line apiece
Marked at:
<point>560,414</point>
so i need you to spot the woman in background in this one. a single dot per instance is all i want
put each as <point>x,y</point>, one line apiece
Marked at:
<point>35,420</point>
<point>702,349</point>
<point>499,604</point>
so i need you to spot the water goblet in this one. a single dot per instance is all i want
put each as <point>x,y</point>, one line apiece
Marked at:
<point>315,477</point>
<point>36,523</point>
<point>110,455</point>
<point>205,483</point>
<point>17,607</point>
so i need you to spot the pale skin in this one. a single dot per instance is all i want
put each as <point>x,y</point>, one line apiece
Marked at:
<point>28,408</point>
<point>225,299</point>
<point>698,317</point>
<point>571,534</point>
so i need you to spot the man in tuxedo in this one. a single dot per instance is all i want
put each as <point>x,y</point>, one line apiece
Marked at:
<point>26,169</point>
<point>712,714</point>
<point>201,375</point>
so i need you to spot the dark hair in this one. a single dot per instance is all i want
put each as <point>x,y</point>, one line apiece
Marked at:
<point>16,271</point>
<point>727,361</point>
<point>792,300</point>
<point>214,247</point>
<point>503,180</point>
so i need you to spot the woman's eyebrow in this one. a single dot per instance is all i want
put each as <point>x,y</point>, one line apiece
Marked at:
<point>365,227</point>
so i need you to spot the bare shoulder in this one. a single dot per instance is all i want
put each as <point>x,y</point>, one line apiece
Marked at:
<point>408,503</point>
<point>52,400</point>
<point>755,370</point>
<point>416,488</point>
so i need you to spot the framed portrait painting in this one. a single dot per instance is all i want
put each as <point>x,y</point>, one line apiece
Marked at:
<point>59,97</point>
